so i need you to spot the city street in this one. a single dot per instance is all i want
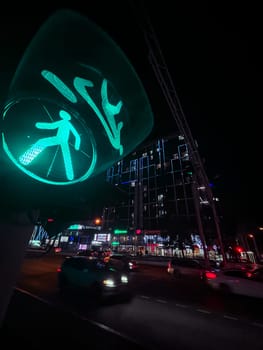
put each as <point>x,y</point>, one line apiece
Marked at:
<point>164,311</point>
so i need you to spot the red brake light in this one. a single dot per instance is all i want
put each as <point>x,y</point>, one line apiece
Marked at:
<point>210,275</point>
<point>59,269</point>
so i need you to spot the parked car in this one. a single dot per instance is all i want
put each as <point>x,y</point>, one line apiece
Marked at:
<point>188,267</point>
<point>92,277</point>
<point>123,262</point>
<point>241,281</point>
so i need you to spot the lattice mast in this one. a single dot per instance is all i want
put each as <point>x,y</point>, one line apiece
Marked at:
<point>201,185</point>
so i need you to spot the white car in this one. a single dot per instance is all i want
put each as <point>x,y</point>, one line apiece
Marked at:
<point>179,267</point>
<point>247,282</point>
<point>187,267</point>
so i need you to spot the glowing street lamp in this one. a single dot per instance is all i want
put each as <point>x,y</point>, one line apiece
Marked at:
<point>97,221</point>
<point>250,235</point>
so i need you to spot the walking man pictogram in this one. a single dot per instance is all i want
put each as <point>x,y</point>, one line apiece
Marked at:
<point>64,127</point>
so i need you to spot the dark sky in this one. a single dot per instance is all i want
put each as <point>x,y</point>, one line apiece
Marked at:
<point>213,56</point>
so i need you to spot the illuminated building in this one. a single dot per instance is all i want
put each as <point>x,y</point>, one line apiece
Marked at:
<point>157,181</point>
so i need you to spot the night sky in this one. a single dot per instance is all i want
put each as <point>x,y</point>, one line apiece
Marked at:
<point>213,56</point>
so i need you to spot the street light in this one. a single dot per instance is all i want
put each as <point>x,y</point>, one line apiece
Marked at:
<point>97,221</point>
<point>252,236</point>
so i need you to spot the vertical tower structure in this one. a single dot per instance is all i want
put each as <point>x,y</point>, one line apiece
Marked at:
<point>202,191</point>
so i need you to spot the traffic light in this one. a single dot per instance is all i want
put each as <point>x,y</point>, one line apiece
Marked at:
<point>73,109</point>
<point>238,249</point>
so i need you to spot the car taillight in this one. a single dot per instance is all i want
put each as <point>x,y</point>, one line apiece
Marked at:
<point>59,269</point>
<point>210,274</point>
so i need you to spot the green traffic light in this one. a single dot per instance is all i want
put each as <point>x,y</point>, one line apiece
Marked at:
<point>73,105</point>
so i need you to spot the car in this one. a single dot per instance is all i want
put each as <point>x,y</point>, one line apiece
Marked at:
<point>92,277</point>
<point>188,267</point>
<point>87,253</point>
<point>239,281</point>
<point>123,262</point>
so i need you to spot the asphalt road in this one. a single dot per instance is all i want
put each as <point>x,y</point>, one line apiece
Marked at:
<point>156,322</point>
<point>31,323</point>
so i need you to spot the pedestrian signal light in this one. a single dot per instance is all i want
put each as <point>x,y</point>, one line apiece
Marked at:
<point>73,105</point>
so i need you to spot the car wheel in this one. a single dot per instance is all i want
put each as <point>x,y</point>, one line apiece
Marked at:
<point>63,285</point>
<point>128,297</point>
<point>177,273</point>
<point>225,289</point>
<point>96,292</point>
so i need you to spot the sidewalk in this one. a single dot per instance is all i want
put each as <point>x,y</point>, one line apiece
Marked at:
<point>31,324</point>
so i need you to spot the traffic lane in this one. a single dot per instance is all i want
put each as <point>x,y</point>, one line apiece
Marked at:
<point>39,276</point>
<point>34,323</point>
<point>162,324</point>
<point>152,323</point>
<point>194,292</point>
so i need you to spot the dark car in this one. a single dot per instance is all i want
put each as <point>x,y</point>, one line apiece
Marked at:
<point>88,253</point>
<point>92,277</point>
<point>180,267</point>
<point>123,262</point>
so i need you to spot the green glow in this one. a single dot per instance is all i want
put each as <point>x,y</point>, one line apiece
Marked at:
<point>59,85</point>
<point>75,105</point>
<point>120,232</point>
<point>58,159</point>
<point>61,139</point>
<point>110,110</point>
<point>112,129</point>
<point>50,182</point>
<point>75,227</point>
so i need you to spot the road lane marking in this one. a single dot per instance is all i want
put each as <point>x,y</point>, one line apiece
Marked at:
<point>161,301</point>
<point>35,297</point>
<point>230,317</point>
<point>83,318</point>
<point>111,330</point>
<point>144,297</point>
<point>256,324</point>
<point>203,311</point>
<point>181,305</point>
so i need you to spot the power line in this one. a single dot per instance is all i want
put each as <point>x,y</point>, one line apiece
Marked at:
<point>159,66</point>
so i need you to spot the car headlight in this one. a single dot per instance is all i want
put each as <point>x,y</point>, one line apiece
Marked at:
<point>124,279</point>
<point>109,283</point>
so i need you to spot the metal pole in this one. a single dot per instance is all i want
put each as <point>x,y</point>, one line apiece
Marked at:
<point>199,221</point>
<point>15,233</point>
<point>255,246</point>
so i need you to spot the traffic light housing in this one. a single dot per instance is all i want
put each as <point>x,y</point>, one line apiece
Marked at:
<point>73,109</point>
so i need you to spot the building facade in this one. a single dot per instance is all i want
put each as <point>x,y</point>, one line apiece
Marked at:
<point>158,210</point>
<point>160,200</point>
